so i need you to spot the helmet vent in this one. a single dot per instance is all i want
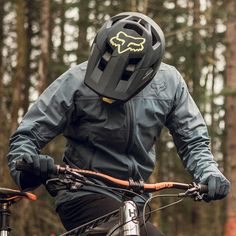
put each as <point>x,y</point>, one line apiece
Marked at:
<point>130,68</point>
<point>105,57</point>
<point>116,20</point>
<point>102,64</point>
<point>109,49</point>
<point>154,39</point>
<point>126,74</point>
<point>104,60</point>
<point>134,27</point>
<point>144,24</point>
<point>134,61</point>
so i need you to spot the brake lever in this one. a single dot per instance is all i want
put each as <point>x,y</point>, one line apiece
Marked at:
<point>66,180</point>
<point>193,192</point>
<point>74,180</point>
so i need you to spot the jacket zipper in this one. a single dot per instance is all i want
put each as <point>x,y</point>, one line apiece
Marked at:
<point>130,128</point>
<point>130,125</point>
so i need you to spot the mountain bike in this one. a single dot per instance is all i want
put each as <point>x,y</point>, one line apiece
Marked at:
<point>127,219</point>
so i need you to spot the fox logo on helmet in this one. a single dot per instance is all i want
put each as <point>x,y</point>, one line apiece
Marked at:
<point>125,42</point>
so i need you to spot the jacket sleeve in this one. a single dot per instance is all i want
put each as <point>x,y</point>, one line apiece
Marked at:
<point>190,135</point>
<point>44,120</point>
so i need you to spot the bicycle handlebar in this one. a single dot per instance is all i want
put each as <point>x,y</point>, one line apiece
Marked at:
<point>128,184</point>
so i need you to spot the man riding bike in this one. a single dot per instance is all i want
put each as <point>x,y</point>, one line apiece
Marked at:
<point>111,109</point>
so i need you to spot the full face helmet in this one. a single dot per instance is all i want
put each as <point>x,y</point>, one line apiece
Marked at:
<point>125,56</point>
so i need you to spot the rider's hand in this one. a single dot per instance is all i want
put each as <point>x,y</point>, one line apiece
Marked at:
<point>218,187</point>
<point>41,167</point>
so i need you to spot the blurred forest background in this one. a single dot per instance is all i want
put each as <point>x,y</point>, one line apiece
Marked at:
<point>39,40</point>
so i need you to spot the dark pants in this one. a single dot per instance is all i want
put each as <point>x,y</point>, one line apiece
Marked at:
<point>84,209</point>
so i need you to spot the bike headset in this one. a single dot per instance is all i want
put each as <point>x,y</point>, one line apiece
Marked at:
<point>125,56</point>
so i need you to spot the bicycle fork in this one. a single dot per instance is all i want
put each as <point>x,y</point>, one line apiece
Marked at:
<point>129,221</point>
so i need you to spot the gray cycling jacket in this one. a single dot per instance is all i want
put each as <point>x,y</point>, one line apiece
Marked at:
<point>115,139</point>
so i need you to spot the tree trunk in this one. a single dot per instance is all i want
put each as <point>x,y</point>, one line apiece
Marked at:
<point>2,110</point>
<point>230,227</point>
<point>62,26</point>
<point>145,6</point>
<point>133,5</point>
<point>19,77</point>
<point>196,55</point>
<point>44,47</point>
<point>18,81</point>
<point>29,35</point>
<point>83,45</point>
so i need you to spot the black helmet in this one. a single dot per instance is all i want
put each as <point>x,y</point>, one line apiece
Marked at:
<point>125,56</point>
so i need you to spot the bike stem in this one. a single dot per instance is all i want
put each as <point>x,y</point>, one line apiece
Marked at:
<point>5,219</point>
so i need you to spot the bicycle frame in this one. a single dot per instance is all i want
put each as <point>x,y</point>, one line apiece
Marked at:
<point>126,223</point>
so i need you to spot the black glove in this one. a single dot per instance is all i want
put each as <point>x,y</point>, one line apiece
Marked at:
<point>218,187</point>
<point>41,167</point>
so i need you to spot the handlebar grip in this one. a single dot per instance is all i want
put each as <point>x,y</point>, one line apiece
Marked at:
<point>28,167</point>
<point>203,188</point>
